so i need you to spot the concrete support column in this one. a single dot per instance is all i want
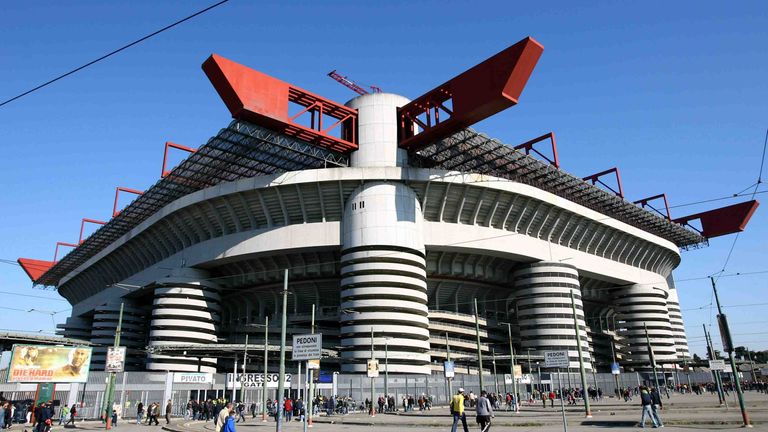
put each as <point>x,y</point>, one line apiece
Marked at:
<point>185,310</point>
<point>545,315</point>
<point>678,328</point>
<point>133,334</point>
<point>384,280</point>
<point>642,306</point>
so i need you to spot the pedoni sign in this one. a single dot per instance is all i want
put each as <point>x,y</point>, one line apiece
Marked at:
<point>556,359</point>
<point>307,347</point>
<point>193,378</point>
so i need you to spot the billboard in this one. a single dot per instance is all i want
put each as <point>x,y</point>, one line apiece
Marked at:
<point>45,363</point>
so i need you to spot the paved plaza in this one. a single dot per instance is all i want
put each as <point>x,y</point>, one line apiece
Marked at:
<point>681,413</point>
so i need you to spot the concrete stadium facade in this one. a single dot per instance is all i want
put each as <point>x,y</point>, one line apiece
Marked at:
<point>382,247</point>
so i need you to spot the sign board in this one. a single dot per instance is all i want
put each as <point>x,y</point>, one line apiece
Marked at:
<point>556,359</point>
<point>717,364</point>
<point>507,379</point>
<point>518,371</point>
<point>256,380</point>
<point>45,363</point>
<point>193,378</point>
<point>115,360</point>
<point>764,371</point>
<point>526,379</point>
<point>615,369</point>
<point>313,364</point>
<point>728,369</point>
<point>449,369</point>
<point>373,368</point>
<point>307,347</point>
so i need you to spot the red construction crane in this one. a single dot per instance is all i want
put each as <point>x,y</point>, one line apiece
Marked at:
<point>346,82</point>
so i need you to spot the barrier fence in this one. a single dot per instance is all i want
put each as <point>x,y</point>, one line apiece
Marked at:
<point>148,387</point>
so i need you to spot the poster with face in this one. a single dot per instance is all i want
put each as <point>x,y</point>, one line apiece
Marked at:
<point>44,363</point>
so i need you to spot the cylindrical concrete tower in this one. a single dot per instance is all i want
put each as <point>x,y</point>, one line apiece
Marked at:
<point>676,321</point>
<point>132,335</point>
<point>184,311</point>
<point>377,131</point>
<point>640,306</point>
<point>544,311</point>
<point>384,280</point>
<point>76,327</point>
<point>383,266</point>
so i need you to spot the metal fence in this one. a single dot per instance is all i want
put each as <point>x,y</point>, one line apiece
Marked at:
<point>148,387</point>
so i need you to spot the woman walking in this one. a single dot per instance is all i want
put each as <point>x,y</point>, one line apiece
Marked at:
<point>484,411</point>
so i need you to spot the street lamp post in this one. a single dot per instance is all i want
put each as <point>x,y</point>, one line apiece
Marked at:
<point>111,384</point>
<point>479,351</point>
<point>386,369</point>
<point>264,384</point>
<point>281,370</point>
<point>373,380</point>
<point>512,366</point>
<point>311,397</point>
<point>582,372</point>
<point>495,377</point>
<point>448,358</point>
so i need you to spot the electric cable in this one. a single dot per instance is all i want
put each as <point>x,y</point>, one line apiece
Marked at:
<point>105,56</point>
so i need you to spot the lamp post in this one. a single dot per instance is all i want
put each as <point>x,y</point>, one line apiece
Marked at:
<point>386,369</point>
<point>111,384</point>
<point>311,397</point>
<point>281,370</point>
<point>495,377</point>
<point>448,358</point>
<point>264,384</point>
<point>373,380</point>
<point>479,351</point>
<point>512,365</point>
<point>582,372</point>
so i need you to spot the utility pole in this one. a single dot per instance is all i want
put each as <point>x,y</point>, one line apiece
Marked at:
<point>448,358</point>
<point>111,385</point>
<point>245,359</point>
<point>716,373</point>
<point>373,380</point>
<point>234,381</point>
<point>264,384</point>
<point>281,373</point>
<point>582,372</point>
<point>495,377</point>
<point>479,351</point>
<point>311,396</point>
<point>725,333</point>
<point>386,370</point>
<point>512,367</point>
<point>751,367</point>
<point>651,357</point>
<point>615,376</point>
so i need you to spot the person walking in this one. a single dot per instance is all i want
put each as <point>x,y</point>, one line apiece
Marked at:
<point>656,406</point>
<point>139,412</point>
<point>221,418</point>
<point>646,402</point>
<point>457,410</point>
<point>229,421</point>
<point>72,414</point>
<point>154,413</point>
<point>168,408</point>
<point>484,411</point>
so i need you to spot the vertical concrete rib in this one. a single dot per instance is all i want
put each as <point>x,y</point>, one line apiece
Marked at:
<point>676,321</point>
<point>545,316</point>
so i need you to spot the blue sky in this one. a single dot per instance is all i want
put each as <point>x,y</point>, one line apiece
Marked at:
<point>674,93</point>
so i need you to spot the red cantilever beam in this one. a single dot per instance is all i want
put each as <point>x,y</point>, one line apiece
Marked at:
<point>595,178</point>
<point>119,189</point>
<point>528,147</point>
<point>82,226</point>
<point>168,145</point>
<point>34,268</point>
<point>644,202</point>
<point>259,98</point>
<point>482,91</point>
<point>56,252</point>
<point>724,220</point>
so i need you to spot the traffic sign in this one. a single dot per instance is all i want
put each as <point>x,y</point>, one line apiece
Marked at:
<point>307,347</point>
<point>556,359</point>
<point>717,364</point>
<point>615,369</point>
<point>507,378</point>
<point>373,368</point>
<point>449,369</point>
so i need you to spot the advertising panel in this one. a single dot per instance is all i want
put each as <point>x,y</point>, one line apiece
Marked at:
<point>44,363</point>
<point>115,359</point>
<point>449,369</point>
<point>193,377</point>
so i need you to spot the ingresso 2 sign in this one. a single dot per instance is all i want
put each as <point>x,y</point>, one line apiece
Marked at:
<point>257,380</point>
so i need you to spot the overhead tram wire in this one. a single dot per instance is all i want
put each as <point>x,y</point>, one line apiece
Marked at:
<point>105,56</point>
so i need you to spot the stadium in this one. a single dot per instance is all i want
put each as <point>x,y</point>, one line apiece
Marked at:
<point>403,232</point>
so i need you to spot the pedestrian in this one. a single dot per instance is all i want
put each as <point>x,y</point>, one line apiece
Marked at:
<point>288,412</point>
<point>544,398</point>
<point>139,412</point>
<point>168,408</point>
<point>656,406</point>
<point>229,421</point>
<point>72,414</point>
<point>155,413</point>
<point>484,411</point>
<point>221,418</point>
<point>646,402</point>
<point>63,414</point>
<point>457,411</point>
<point>552,398</point>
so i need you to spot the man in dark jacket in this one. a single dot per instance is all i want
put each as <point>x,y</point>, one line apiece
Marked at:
<point>656,406</point>
<point>646,402</point>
